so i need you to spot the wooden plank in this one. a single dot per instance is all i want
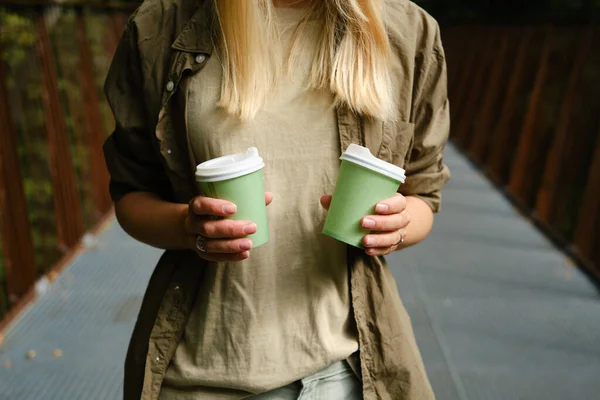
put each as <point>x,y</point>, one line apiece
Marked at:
<point>17,241</point>
<point>120,21</point>
<point>483,126</point>
<point>588,227</point>
<point>112,37</point>
<point>557,157</point>
<point>520,167</point>
<point>462,85</point>
<point>501,135</point>
<point>456,54</point>
<point>464,131</point>
<point>67,205</point>
<point>454,39</point>
<point>116,24</point>
<point>93,124</point>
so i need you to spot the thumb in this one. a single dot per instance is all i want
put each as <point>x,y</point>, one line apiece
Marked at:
<point>268,197</point>
<point>326,201</point>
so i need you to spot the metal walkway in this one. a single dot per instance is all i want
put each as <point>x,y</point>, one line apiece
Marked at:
<point>498,312</point>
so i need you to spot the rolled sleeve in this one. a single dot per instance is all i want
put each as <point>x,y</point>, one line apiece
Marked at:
<point>131,156</point>
<point>426,172</point>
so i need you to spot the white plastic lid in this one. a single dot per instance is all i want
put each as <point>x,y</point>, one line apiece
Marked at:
<point>363,157</point>
<point>229,167</point>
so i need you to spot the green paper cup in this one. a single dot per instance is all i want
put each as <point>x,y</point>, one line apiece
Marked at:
<point>363,181</point>
<point>238,178</point>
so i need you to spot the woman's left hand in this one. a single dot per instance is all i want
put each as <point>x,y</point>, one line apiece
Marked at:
<point>388,226</point>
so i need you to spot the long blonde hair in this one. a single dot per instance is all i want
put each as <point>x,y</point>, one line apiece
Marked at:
<point>352,58</point>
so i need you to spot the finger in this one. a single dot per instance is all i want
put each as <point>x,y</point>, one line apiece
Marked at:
<point>387,239</point>
<point>386,223</point>
<point>227,228</point>
<point>380,251</point>
<point>392,205</point>
<point>227,246</point>
<point>208,206</point>
<point>326,201</point>
<point>215,257</point>
<point>218,229</point>
<point>268,197</point>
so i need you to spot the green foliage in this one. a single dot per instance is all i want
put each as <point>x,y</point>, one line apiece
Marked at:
<point>66,50</point>
<point>17,30</point>
<point>98,31</point>
<point>23,82</point>
<point>18,38</point>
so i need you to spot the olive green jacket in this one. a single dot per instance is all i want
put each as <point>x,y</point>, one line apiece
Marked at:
<point>167,41</point>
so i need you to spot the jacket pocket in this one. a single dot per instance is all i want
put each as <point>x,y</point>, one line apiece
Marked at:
<point>396,142</point>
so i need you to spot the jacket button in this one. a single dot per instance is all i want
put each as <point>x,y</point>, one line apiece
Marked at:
<point>200,58</point>
<point>170,86</point>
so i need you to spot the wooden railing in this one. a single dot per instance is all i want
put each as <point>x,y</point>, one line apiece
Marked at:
<point>526,110</point>
<point>53,122</point>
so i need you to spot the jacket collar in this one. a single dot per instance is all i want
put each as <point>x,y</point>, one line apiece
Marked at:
<point>196,36</point>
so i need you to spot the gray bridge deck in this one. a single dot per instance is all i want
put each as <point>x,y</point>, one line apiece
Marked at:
<point>499,313</point>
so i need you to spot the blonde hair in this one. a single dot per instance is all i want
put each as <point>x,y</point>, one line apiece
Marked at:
<point>352,58</point>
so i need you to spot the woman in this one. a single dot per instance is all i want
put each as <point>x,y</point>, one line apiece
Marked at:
<point>302,316</point>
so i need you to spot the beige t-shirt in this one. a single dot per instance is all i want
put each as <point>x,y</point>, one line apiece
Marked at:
<point>284,313</point>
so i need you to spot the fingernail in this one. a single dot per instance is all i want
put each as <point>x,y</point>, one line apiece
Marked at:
<point>246,245</point>
<point>248,229</point>
<point>382,208</point>
<point>369,241</point>
<point>229,209</point>
<point>368,223</point>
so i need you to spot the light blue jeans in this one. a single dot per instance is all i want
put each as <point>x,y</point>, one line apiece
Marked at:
<point>336,382</point>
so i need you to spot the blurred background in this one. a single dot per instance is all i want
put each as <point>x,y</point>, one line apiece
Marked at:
<point>503,295</point>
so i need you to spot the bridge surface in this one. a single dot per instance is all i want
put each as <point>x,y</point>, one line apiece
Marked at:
<point>499,313</point>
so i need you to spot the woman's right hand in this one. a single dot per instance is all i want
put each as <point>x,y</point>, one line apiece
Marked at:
<point>222,239</point>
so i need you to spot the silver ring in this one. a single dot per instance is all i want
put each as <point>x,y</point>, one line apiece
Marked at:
<point>401,236</point>
<point>200,243</point>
